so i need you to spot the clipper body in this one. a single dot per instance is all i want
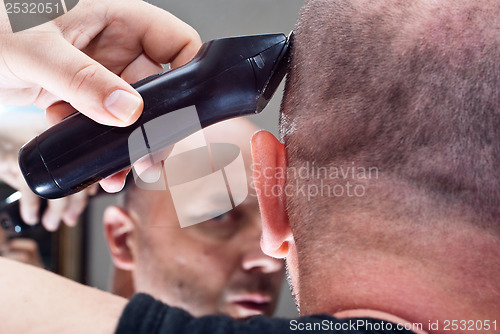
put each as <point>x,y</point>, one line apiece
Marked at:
<point>228,78</point>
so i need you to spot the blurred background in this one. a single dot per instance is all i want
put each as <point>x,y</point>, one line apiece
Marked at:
<point>81,252</point>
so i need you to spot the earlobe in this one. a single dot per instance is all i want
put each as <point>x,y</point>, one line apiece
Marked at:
<point>269,178</point>
<point>118,228</point>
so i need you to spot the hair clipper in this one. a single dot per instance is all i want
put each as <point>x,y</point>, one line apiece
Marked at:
<point>227,78</point>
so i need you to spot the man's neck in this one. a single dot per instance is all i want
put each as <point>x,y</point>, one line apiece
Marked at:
<point>362,313</point>
<point>447,276</point>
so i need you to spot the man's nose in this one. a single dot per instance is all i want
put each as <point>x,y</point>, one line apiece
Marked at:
<point>256,260</point>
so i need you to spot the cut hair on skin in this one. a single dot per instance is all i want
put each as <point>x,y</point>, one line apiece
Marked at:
<point>409,87</point>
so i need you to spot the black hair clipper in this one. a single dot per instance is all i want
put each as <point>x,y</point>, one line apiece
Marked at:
<point>228,77</point>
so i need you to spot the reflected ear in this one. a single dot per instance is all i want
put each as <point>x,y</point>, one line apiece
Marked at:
<point>118,228</point>
<point>269,159</point>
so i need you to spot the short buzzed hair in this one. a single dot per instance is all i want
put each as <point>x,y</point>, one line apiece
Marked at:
<point>410,87</point>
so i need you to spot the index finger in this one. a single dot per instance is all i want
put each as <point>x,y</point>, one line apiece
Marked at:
<point>163,37</point>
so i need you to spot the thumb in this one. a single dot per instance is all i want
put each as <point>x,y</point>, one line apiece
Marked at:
<point>58,67</point>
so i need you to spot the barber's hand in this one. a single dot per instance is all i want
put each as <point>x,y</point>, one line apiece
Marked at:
<point>86,57</point>
<point>66,209</point>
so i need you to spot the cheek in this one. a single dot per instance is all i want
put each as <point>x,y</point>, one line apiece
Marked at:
<point>217,261</point>
<point>219,266</point>
<point>163,257</point>
<point>204,266</point>
<point>184,273</point>
<point>207,277</point>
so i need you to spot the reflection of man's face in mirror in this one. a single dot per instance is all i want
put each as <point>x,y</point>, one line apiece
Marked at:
<point>215,267</point>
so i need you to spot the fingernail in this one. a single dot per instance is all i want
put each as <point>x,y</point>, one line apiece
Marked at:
<point>30,218</point>
<point>70,219</point>
<point>50,224</point>
<point>123,105</point>
<point>33,219</point>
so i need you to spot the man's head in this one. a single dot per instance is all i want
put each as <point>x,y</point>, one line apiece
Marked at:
<point>215,267</point>
<point>391,130</point>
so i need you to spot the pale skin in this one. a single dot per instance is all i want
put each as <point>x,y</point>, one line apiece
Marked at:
<point>85,60</point>
<point>170,263</point>
<point>278,241</point>
<point>434,288</point>
<point>74,308</point>
<point>77,62</point>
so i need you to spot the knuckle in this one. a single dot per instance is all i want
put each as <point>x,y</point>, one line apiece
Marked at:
<point>194,38</point>
<point>83,78</point>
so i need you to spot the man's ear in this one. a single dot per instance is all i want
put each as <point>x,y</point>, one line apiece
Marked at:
<point>269,177</point>
<point>118,228</point>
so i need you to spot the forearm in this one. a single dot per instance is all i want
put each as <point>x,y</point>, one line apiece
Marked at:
<point>36,301</point>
